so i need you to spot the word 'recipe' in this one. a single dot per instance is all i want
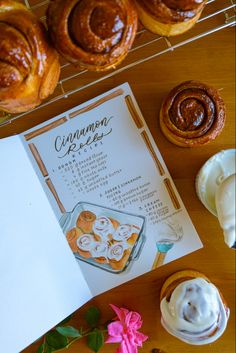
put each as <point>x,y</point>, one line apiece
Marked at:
<point>73,141</point>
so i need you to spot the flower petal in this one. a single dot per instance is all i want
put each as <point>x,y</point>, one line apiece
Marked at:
<point>115,329</point>
<point>139,338</point>
<point>113,340</point>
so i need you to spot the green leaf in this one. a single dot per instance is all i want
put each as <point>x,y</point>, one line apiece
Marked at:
<point>41,348</point>
<point>44,348</point>
<point>92,316</point>
<point>66,320</point>
<point>95,340</point>
<point>55,340</point>
<point>68,331</point>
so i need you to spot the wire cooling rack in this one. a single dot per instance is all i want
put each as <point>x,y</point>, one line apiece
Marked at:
<point>218,15</point>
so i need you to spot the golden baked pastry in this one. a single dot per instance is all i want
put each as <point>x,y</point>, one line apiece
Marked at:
<point>193,114</point>
<point>93,34</point>
<point>169,17</point>
<point>192,308</point>
<point>85,221</point>
<point>29,66</point>
<point>72,236</point>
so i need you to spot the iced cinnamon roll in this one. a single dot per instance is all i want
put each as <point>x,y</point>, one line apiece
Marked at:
<point>169,17</point>
<point>126,232</point>
<point>103,228</point>
<point>118,255</point>
<point>192,115</point>
<point>100,252</point>
<point>93,34</point>
<point>192,308</point>
<point>85,244</point>
<point>85,221</point>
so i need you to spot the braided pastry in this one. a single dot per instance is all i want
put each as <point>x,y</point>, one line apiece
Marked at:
<point>193,114</point>
<point>94,34</point>
<point>29,66</point>
<point>192,308</point>
<point>169,17</point>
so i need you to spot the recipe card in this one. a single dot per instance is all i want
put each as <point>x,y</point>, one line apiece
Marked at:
<point>110,190</point>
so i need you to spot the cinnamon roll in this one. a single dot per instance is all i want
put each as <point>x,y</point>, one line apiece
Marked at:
<point>85,244</point>
<point>72,236</point>
<point>118,255</point>
<point>29,66</point>
<point>99,252</point>
<point>126,232</point>
<point>104,228</point>
<point>192,308</point>
<point>93,34</point>
<point>193,114</point>
<point>85,221</point>
<point>169,17</point>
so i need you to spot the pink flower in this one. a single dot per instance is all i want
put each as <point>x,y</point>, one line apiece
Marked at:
<point>124,330</point>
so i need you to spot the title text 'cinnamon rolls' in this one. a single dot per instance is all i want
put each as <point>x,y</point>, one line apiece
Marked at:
<point>193,114</point>
<point>169,17</point>
<point>29,66</point>
<point>94,34</point>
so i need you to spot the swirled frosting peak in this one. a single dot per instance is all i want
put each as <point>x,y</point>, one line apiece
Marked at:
<point>195,312</point>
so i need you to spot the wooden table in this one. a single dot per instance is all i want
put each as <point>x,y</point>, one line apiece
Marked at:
<point>210,60</point>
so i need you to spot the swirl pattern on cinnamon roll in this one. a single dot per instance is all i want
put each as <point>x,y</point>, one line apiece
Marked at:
<point>192,308</point>
<point>29,66</point>
<point>169,17</point>
<point>95,34</point>
<point>193,114</point>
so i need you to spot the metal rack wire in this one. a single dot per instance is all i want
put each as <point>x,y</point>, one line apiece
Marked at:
<point>218,15</point>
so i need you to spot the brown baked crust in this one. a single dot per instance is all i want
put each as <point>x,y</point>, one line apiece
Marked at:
<point>94,34</point>
<point>172,11</point>
<point>85,221</point>
<point>29,66</point>
<point>192,115</point>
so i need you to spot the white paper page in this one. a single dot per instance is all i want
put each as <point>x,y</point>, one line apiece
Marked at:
<point>40,281</point>
<point>100,156</point>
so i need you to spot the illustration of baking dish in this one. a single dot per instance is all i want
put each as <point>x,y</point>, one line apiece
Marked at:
<point>104,237</point>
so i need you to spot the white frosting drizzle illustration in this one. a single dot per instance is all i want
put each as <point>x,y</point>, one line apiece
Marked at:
<point>103,227</point>
<point>116,251</point>
<point>195,313</point>
<point>169,232</point>
<point>123,232</point>
<point>85,242</point>
<point>100,250</point>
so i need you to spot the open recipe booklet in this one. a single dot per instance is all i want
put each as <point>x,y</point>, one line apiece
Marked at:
<point>86,204</point>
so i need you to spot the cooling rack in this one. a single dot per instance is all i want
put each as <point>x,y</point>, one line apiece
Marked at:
<point>218,15</point>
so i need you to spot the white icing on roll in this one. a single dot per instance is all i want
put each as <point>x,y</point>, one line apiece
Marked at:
<point>116,251</point>
<point>123,232</point>
<point>85,242</point>
<point>103,227</point>
<point>225,206</point>
<point>195,313</point>
<point>100,249</point>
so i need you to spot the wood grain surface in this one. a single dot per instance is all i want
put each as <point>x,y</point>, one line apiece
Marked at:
<point>210,60</point>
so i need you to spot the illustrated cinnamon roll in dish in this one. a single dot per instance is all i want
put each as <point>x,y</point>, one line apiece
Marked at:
<point>192,308</point>
<point>192,115</point>
<point>104,227</point>
<point>93,34</point>
<point>72,236</point>
<point>85,221</point>
<point>118,255</point>
<point>29,65</point>
<point>126,232</point>
<point>85,244</point>
<point>100,252</point>
<point>169,17</point>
